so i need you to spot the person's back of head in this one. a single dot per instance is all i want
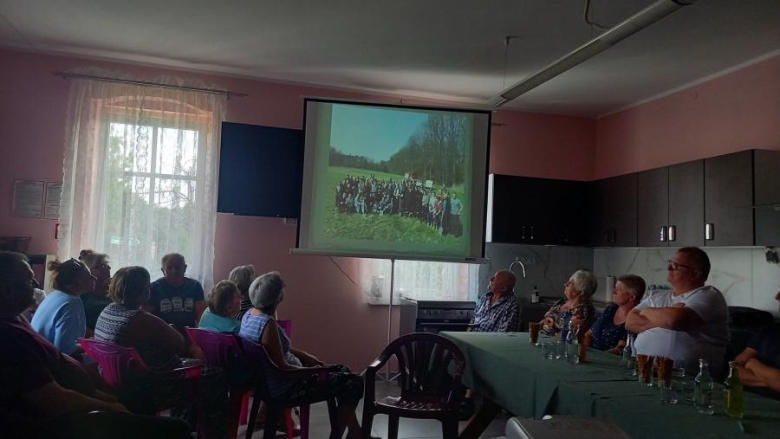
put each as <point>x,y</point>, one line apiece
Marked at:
<point>67,275</point>
<point>130,287</point>
<point>242,276</point>
<point>222,298</point>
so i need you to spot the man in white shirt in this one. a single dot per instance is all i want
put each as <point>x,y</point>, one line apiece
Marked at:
<point>688,323</point>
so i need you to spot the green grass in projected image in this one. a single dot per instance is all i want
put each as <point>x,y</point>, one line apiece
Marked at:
<point>388,228</point>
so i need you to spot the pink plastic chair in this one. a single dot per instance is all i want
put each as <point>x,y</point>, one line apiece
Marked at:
<point>223,350</point>
<point>117,362</point>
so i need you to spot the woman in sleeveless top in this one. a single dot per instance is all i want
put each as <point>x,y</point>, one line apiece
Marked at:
<point>259,325</point>
<point>124,323</point>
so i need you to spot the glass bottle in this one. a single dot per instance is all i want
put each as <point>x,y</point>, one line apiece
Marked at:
<point>702,390</point>
<point>628,361</point>
<point>572,346</point>
<point>733,393</point>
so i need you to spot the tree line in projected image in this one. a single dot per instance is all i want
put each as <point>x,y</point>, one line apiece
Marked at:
<point>436,152</point>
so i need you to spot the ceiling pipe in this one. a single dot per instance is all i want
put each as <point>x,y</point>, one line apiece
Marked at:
<point>625,29</point>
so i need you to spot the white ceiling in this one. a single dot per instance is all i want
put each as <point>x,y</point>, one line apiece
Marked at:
<point>445,49</point>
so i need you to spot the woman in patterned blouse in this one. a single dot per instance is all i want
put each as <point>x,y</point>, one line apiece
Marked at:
<point>609,331</point>
<point>576,307</point>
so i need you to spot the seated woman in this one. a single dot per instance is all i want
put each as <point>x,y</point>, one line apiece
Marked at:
<point>223,303</point>
<point>60,317</point>
<point>609,332</point>
<point>259,325</point>
<point>242,276</point>
<point>123,322</point>
<point>94,301</point>
<point>576,307</point>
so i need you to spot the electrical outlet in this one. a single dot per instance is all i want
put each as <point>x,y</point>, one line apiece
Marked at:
<point>528,260</point>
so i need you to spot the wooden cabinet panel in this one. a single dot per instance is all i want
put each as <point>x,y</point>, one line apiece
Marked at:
<point>728,199</point>
<point>686,203</point>
<point>653,207</point>
<point>766,168</point>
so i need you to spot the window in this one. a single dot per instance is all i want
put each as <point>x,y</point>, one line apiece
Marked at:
<point>152,188</point>
<point>140,174</point>
<point>418,280</point>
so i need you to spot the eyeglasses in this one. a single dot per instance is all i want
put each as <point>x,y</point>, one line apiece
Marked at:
<point>674,266</point>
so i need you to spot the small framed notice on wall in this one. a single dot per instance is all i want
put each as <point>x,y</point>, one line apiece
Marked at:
<point>51,208</point>
<point>28,198</point>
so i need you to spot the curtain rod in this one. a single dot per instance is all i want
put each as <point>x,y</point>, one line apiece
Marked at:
<point>151,84</point>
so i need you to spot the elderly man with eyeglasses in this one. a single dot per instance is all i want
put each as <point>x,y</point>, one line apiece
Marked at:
<point>688,323</point>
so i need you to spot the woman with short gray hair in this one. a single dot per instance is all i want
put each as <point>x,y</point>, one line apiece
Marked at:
<point>576,307</point>
<point>243,276</point>
<point>260,326</point>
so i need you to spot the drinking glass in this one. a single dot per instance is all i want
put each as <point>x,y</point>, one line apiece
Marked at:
<point>645,369</point>
<point>560,350</point>
<point>547,350</point>
<point>533,332</point>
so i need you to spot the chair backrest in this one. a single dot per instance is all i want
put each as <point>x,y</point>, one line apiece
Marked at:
<point>430,367</point>
<point>223,350</point>
<point>216,346</point>
<point>257,357</point>
<point>286,326</point>
<point>115,361</point>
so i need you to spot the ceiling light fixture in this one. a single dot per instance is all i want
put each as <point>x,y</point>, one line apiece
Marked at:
<point>625,29</point>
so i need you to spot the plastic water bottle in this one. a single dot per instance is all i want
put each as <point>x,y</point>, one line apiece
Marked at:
<point>572,347</point>
<point>702,390</point>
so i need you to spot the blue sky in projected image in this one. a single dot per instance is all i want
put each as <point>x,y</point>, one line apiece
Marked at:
<point>375,133</point>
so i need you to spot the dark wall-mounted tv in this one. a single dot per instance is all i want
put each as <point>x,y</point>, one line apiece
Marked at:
<point>260,171</point>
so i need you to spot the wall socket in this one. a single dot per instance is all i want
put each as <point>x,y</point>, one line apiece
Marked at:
<point>528,260</point>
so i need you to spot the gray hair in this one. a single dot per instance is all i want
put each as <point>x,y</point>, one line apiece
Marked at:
<point>267,292</point>
<point>585,282</point>
<point>242,276</point>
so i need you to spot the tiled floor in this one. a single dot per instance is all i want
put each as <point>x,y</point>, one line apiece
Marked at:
<point>319,427</point>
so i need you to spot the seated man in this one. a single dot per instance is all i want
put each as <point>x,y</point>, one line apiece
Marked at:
<point>498,309</point>
<point>759,363</point>
<point>176,299</point>
<point>687,323</point>
<point>44,393</point>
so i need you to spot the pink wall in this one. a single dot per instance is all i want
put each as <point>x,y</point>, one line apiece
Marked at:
<point>738,111</point>
<point>329,316</point>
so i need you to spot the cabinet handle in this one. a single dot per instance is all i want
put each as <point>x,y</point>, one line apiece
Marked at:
<point>672,233</point>
<point>662,235</point>
<point>522,232</point>
<point>614,236</point>
<point>532,233</point>
<point>709,232</point>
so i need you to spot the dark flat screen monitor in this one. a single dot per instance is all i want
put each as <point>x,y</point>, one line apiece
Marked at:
<point>260,171</point>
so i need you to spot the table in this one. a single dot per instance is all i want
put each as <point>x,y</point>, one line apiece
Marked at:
<point>507,370</point>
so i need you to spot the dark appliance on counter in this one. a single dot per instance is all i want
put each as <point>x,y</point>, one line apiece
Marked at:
<point>434,316</point>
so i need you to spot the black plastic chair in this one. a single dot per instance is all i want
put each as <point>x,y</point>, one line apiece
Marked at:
<point>431,368</point>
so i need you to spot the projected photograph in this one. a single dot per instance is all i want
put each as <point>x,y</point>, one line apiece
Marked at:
<point>397,175</point>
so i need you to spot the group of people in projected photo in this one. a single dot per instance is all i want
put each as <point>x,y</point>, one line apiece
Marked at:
<point>408,197</point>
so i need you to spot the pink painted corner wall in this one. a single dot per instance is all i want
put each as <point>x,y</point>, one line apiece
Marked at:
<point>330,318</point>
<point>734,112</point>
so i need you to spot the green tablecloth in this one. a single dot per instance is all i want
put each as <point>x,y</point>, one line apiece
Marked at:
<point>510,371</point>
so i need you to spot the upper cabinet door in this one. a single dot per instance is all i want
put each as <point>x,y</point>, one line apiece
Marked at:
<point>728,200</point>
<point>766,167</point>
<point>686,204</point>
<point>653,208</point>
<point>615,212</point>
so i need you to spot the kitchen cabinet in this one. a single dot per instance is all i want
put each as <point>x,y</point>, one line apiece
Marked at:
<point>670,205</point>
<point>535,211</point>
<point>728,200</point>
<point>614,204</point>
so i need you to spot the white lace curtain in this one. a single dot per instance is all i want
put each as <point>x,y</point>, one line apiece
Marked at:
<point>417,280</point>
<point>140,174</point>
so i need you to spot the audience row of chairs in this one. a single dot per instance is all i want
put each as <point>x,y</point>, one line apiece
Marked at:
<point>430,370</point>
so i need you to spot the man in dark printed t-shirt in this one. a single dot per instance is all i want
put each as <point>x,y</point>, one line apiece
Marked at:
<point>759,363</point>
<point>175,298</point>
